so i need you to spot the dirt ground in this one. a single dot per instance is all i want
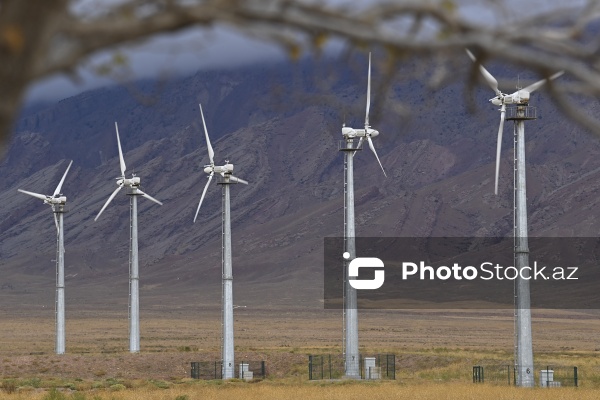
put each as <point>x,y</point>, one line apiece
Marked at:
<point>97,344</point>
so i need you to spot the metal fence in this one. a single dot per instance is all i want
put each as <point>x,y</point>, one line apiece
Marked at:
<point>498,374</point>
<point>246,370</point>
<point>544,375</point>
<point>327,366</point>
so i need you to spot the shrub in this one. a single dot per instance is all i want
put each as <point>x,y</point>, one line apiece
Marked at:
<point>54,394</point>
<point>160,384</point>
<point>9,386</point>
<point>117,387</point>
<point>97,385</point>
<point>111,381</point>
<point>33,382</point>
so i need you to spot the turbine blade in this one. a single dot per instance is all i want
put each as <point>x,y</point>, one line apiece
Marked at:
<point>121,159</point>
<point>237,180</point>
<point>368,95</point>
<point>150,197</point>
<point>374,152</point>
<point>36,195</point>
<point>203,194</point>
<point>535,86</point>
<point>471,56</point>
<point>499,146</point>
<point>56,223</point>
<point>57,190</point>
<point>360,142</point>
<point>489,78</point>
<point>112,196</point>
<point>211,153</point>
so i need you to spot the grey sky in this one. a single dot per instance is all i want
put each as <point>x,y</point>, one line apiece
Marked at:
<point>221,47</point>
<point>167,55</point>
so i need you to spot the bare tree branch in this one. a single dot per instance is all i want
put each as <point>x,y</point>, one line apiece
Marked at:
<point>38,39</point>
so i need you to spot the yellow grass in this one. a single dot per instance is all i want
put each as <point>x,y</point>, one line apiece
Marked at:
<point>435,352</point>
<point>301,329</point>
<point>330,391</point>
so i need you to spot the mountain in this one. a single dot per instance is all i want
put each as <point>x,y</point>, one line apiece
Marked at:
<point>280,126</point>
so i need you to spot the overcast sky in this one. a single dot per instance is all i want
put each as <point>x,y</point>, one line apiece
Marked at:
<point>168,55</point>
<point>195,49</point>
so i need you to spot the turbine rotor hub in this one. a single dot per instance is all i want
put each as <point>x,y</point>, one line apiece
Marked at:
<point>372,132</point>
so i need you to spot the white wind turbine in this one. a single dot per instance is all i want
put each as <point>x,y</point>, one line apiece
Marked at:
<point>133,184</point>
<point>351,353</point>
<point>227,286</point>
<point>520,113</point>
<point>57,201</point>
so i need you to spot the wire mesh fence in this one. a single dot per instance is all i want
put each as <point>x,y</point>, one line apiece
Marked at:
<point>328,366</point>
<point>544,375</point>
<point>246,370</point>
<point>556,376</point>
<point>497,374</point>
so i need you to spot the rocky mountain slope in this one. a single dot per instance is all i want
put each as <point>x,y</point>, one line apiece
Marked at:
<point>280,126</point>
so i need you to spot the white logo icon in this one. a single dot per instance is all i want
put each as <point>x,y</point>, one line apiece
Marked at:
<point>365,262</point>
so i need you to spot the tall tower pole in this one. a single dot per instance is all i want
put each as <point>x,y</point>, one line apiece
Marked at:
<point>228,349</point>
<point>60,283</point>
<point>133,184</point>
<point>524,339</point>
<point>352,356</point>
<point>134,280</point>
<point>57,201</point>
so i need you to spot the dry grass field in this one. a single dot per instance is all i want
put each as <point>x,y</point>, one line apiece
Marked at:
<point>330,391</point>
<point>435,352</point>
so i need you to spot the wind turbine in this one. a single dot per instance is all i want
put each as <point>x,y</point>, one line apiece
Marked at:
<point>520,113</point>
<point>133,184</point>
<point>351,354</point>
<point>227,286</point>
<point>58,201</point>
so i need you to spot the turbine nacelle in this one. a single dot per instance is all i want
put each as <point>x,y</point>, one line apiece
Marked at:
<point>219,169</point>
<point>56,200</point>
<point>348,132</point>
<point>518,97</point>
<point>225,169</point>
<point>134,181</point>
